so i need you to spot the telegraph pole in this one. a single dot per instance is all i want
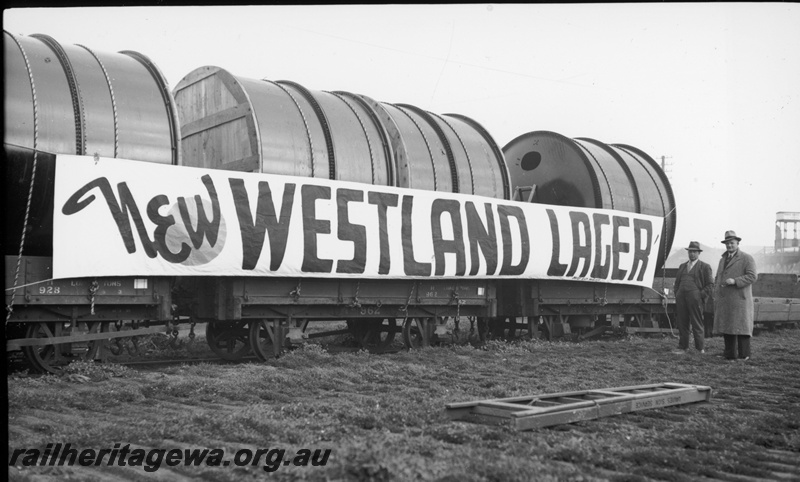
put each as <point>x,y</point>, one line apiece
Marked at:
<point>664,164</point>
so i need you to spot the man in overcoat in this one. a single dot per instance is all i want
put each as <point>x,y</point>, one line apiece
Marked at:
<point>733,308</point>
<point>693,286</point>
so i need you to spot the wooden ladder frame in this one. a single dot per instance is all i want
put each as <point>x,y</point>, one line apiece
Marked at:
<point>537,411</point>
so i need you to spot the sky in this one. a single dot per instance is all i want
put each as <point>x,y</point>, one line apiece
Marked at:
<point>713,88</point>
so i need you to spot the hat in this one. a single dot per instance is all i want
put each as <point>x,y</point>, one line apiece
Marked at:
<point>693,246</point>
<point>730,235</point>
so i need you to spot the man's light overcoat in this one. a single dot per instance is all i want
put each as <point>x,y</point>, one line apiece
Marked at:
<point>733,305</point>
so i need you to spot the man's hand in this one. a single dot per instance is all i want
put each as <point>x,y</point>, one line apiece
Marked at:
<point>730,281</point>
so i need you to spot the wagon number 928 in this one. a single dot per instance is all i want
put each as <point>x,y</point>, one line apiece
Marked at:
<point>49,290</point>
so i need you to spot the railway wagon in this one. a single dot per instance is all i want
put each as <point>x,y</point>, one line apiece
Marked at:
<point>228,122</point>
<point>71,100</point>
<point>68,99</point>
<point>546,167</point>
<point>348,136</point>
<point>776,298</point>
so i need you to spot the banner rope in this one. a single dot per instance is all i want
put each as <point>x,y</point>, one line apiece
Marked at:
<point>10,307</point>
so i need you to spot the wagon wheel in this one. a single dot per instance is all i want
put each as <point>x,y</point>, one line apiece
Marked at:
<point>373,332</point>
<point>547,327</point>
<point>503,328</point>
<point>510,325</point>
<point>228,340</point>
<point>262,339</point>
<point>379,333</point>
<point>496,329</point>
<point>533,328</point>
<point>483,329</point>
<point>358,330</point>
<point>52,358</point>
<point>418,332</point>
<point>116,347</point>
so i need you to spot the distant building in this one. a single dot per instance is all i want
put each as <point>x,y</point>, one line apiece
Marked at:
<point>785,257</point>
<point>782,257</point>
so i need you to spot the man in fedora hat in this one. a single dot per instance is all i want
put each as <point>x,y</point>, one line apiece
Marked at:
<point>693,285</point>
<point>733,307</point>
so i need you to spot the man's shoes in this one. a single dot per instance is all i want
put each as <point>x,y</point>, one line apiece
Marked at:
<point>702,352</point>
<point>745,358</point>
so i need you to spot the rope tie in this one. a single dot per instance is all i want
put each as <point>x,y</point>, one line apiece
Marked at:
<point>92,291</point>
<point>113,99</point>
<point>356,303</point>
<point>295,293</point>
<point>408,302</point>
<point>10,307</point>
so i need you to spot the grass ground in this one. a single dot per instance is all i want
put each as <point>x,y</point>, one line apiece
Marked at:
<point>382,416</point>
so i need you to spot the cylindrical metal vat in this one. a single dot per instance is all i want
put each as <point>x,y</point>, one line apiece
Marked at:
<point>659,199</point>
<point>485,160</point>
<point>380,145</point>
<point>612,172</point>
<point>429,160</point>
<point>588,173</point>
<point>229,122</point>
<point>67,99</point>
<point>449,152</point>
<point>87,102</point>
<point>241,124</point>
<point>561,171</point>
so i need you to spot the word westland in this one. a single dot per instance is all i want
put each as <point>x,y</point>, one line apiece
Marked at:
<point>372,231</point>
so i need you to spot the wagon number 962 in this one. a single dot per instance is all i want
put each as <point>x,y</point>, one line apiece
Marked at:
<point>370,310</point>
<point>49,290</point>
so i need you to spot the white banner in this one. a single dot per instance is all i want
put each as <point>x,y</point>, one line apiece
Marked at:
<point>116,217</point>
